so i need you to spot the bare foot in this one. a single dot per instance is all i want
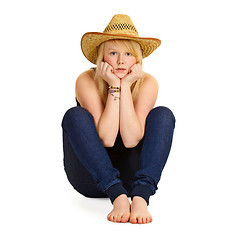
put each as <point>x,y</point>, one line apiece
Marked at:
<point>121,210</point>
<point>139,211</point>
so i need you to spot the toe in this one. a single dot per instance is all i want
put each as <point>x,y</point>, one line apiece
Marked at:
<point>149,219</point>
<point>110,218</point>
<point>140,221</point>
<point>118,218</point>
<point>144,220</point>
<point>124,219</point>
<point>133,220</point>
<point>114,218</point>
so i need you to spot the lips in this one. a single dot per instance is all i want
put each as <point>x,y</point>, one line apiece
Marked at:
<point>121,69</point>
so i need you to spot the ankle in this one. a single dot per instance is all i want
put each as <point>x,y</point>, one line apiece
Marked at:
<point>142,191</point>
<point>139,200</point>
<point>120,199</point>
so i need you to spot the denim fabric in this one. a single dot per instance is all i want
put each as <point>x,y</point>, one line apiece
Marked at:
<point>98,171</point>
<point>160,125</point>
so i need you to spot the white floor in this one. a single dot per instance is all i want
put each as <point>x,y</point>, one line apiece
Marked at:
<point>192,202</point>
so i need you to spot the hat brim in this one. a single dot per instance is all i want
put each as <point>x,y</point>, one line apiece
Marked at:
<point>91,40</point>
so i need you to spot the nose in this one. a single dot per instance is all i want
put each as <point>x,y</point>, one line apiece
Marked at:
<point>120,59</point>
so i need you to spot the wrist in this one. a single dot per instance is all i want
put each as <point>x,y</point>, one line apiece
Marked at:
<point>115,92</point>
<point>125,84</point>
<point>112,89</point>
<point>114,83</point>
<point>115,95</point>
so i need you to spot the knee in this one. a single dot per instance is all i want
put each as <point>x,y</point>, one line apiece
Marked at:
<point>162,114</point>
<point>76,115</point>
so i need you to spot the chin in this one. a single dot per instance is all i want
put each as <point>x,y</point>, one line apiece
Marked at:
<point>120,75</point>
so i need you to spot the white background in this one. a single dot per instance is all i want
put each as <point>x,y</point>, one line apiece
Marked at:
<point>197,67</point>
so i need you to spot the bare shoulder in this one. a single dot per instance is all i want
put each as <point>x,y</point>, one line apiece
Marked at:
<point>148,88</point>
<point>85,83</point>
<point>146,97</point>
<point>150,80</point>
<point>85,77</point>
<point>87,94</point>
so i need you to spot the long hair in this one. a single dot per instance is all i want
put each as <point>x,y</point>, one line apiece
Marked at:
<point>132,47</point>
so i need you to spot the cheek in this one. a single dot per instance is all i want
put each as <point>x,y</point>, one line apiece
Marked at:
<point>108,60</point>
<point>132,62</point>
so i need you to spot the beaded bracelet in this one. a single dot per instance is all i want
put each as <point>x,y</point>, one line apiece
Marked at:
<point>113,90</point>
<point>117,88</point>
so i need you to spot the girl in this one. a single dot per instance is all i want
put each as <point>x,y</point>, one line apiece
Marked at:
<point>115,144</point>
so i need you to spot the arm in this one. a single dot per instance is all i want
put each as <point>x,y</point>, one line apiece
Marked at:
<point>106,118</point>
<point>133,115</point>
<point>108,124</point>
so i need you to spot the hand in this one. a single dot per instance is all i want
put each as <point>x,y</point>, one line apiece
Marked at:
<point>135,72</point>
<point>105,71</point>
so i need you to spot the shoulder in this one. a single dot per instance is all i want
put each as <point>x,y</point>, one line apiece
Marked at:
<point>86,76</point>
<point>148,90</point>
<point>86,87</point>
<point>146,97</point>
<point>85,83</point>
<point>149,85</point>
<point>149,80</point>
<point>87,94</point>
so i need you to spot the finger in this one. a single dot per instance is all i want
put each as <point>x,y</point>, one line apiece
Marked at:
<point>109,69</point>
<point>104,66</point>
<point>138,67</point>
<point>100,69</point>
<point>132,69</point>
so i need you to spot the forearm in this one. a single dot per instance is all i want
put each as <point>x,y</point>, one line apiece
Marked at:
<point>108,124</point>
<point>130,127</point>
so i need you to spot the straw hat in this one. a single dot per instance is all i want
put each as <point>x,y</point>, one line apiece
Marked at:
<point>120,27</point>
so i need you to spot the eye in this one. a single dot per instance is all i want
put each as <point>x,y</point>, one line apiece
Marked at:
<point>128,54</point>
<point>113,53</point>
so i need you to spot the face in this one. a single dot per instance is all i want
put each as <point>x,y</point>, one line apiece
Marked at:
<point>118,56</point>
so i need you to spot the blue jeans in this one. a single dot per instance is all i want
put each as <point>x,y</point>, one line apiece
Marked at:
<point>98,171</point>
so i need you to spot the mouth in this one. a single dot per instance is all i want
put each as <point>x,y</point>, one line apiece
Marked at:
<point>120,69</point>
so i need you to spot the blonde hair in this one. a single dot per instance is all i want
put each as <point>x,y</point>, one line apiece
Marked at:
<point>102,85</point>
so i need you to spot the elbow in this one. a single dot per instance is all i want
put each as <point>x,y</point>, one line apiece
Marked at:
<point>108,142</point>
<point>130,144</point>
